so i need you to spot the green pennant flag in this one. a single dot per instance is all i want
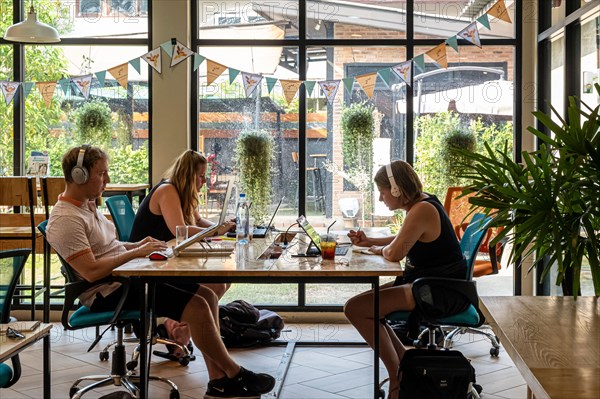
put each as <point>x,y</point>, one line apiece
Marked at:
<point>348,84</point>
<point>419,60</point>
<point>270,83</point>
<point>28,86</point>
<point>385,75</point>
<point>135,63</point>
<point>453,42</point>
<point>65,84</point>
<point>198,60</point>
<point>101,76</point>
<point>233,73</point>
<point>484,20</point>
<point>168,47</point>
<point>309,85</point>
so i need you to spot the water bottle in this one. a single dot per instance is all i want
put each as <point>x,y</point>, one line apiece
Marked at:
<point>242,216</point>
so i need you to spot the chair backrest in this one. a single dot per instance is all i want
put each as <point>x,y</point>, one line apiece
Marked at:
<point>472,239</point>
<point>11,265</point>
<point>65,269</point>
<point>122,214</point>
<point>52,187</point>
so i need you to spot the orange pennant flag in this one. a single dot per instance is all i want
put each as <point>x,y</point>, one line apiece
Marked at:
<point>213,71</point>
<point>499,11</point>
<point>47,90</point>
<point>367,82</point>
<point>121,73</point>
<point>438,54</point>
<point>290,88</point>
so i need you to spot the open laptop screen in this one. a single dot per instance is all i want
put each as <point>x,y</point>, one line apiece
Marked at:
<point>315,238</point>
<point>225,203</point>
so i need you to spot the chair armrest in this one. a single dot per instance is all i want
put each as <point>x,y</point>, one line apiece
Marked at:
<point>16,368</point>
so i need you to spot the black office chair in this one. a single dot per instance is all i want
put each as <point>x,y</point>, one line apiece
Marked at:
<point>121,373</point>
<point>11,266</point>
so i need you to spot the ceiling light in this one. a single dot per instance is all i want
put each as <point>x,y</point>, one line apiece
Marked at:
<point>31,31</point>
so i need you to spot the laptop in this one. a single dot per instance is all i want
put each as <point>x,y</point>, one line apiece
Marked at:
<point>261,232</point>
<point>314,249</point>
<point>226,200</point>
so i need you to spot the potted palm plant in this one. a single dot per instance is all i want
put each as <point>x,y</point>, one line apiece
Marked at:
<point>548,204</point>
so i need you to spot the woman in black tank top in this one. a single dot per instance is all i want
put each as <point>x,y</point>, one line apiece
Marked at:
<point>427,241</point>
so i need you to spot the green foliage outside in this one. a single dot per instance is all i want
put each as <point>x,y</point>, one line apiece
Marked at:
<point>357,137</point>
<point>437,162</point>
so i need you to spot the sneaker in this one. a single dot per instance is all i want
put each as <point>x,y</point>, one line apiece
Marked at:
<point>244,385</point>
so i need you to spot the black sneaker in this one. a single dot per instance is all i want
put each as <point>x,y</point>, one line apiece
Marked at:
<point>244,385</point>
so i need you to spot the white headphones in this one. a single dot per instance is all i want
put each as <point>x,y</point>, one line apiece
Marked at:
<point>79,173</point>
<point>395,191</point>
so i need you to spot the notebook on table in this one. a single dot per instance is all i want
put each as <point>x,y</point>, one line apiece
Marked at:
<point>315,239</point>
<point>261,232</point>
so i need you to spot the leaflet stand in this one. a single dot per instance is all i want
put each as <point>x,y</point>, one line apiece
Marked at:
<point>198,238</point>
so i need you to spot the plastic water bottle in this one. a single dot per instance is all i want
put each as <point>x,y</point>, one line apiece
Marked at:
<point>242,217</point>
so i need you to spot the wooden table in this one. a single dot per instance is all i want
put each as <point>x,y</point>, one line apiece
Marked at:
<point>10,347</point>
<point>243,266</point>
<point>130,190</point>
<point>553,341</point>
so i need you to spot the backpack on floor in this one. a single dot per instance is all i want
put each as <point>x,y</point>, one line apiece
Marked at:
<point>439,374</point>
<point>243,325</point>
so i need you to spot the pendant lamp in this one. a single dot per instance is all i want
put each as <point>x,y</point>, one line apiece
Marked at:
<point>31,30</point>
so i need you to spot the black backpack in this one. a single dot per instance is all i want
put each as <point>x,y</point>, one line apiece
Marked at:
<point>244,325</point>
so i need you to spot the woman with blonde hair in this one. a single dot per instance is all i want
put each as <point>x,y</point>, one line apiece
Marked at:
<point>429,243</point>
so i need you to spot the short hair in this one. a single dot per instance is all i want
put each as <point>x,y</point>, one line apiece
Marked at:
<point>91,157</point>
<point>406,179</point>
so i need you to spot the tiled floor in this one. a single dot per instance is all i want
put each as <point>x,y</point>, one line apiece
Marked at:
<point>315,372</point>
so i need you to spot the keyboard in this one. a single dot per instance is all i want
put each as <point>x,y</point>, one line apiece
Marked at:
<point>341,251</point>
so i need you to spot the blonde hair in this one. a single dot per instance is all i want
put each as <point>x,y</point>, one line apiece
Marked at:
<point>182,175</point>
<point>406,179</point>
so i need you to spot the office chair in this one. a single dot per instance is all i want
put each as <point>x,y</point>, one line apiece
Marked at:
<point>431,292</point>
<point>11,266</point>
<point>121,373</point>
<point>122,214</point>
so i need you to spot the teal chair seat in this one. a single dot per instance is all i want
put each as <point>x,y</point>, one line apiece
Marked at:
<point>84,317</point>
<point>469,317</point>
<point>6,374</point>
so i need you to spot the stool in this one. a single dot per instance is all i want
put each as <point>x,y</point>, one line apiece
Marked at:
<point>317,182</point>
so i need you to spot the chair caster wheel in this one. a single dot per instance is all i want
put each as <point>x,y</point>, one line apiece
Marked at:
<point>103,356</point>
<point>184,361</point>
<point>417,343</point>
<point>174,394</point>
<point>73,391</point>
<point>494,352</point>
<point>131,365</point>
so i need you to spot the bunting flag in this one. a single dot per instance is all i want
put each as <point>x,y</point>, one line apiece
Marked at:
<point>101,76</point>
<point>290,88</point>
<point>198,59</point>
<point>309,85</point>
<point>135,63</point>
<point>348,84</point>
<point>121,74</point>
<point>65,85</point>
<point>471,34</point>
<point>180,53</point>
<point>168,48</point>
<point>213,71</point>
<point>330,88</point>
<point>27,87</point>
<point>452,42</point>
<point>270,83</point>
<point>9,89</point>
<point>499,11</point>
<point>484,20</point>
<point>419,61</point>
<point>251,81</point>
<point>438,55</point>
<point>367,82</point>
<point>47,91</point>
<point>404,71</point>
<point>154,59</point>
<point>84,84</point>
<point>233,73</point>
<point>385,75</point>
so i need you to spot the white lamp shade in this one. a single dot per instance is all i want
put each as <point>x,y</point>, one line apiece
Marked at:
<point>32,31</point>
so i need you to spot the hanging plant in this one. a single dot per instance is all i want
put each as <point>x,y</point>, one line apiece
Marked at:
<point>254,152</point>
<point>93,123</point>
<point>357,136</point>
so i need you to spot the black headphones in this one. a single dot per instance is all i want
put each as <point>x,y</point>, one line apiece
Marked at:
<point>79,173</point>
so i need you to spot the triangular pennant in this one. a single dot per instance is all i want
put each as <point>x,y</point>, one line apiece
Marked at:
<point>9,89</point>
<point>367,82</point>
<point>471,34</point>
<point>251,81</point>
<point>198,59</point>
<point>309,85</point>
<point>180,53</point>
<point>484,20</point>
<point>385,75</point>
<point>330,88</point>
<point>213,71</point>
<point>233,73</point>
<point>290,88</point>
<point>348,84</point>
<point>419,61</point>
<point>64,85</point>
<point>270,83</point>
<point>404,71</point>
<point>452,42</point>
<point>27,87</point>
<point>168,47</point>
<point>154,59</point>
<point>47,90</point>
<point>499,11</point>
<point>121,73</point>
<point>135,63</point>
<point>101,75</point>
<point>84,84</point>
<point>438,55</point>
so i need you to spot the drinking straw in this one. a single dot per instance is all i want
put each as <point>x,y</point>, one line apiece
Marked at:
<point>329,228</point>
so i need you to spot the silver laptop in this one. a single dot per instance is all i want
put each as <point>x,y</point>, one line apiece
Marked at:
<point>226,200</point>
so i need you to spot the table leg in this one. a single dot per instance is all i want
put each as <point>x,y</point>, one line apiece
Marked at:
<point>46,366</point>
<point>376,338</point>
<point>145,300</point>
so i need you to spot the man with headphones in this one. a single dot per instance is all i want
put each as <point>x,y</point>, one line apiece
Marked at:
<point>87,240</point>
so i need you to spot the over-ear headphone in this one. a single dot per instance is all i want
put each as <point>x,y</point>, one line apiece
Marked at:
<point>395,191</point>
<point>79,173</point>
